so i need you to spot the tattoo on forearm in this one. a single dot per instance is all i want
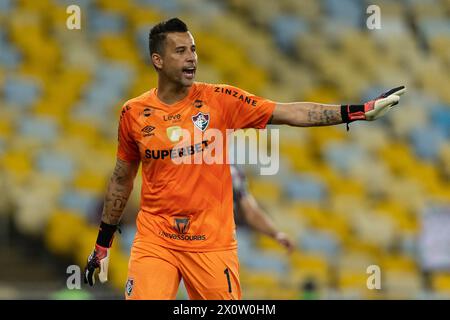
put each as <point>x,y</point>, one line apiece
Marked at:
<point>119,190</point>
<point>119,174</point>
<point>322,115</point>
<point>119,205</point>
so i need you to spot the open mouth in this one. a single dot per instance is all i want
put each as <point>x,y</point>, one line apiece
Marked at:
<point>189,72</point>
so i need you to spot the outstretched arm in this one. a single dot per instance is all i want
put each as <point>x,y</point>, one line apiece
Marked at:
<point>309,114</point>
<point>306,114</point>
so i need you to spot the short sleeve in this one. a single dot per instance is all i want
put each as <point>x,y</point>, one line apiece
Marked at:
<point>242,109</point>
<point>127,148</point>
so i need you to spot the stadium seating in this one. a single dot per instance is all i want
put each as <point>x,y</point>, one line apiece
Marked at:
<point>347,203</point>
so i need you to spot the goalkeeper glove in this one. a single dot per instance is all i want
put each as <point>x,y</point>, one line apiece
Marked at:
<point>99,258</point>
<point>372,109</point>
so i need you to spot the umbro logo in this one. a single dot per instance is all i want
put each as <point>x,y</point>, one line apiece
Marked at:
<point>147,131</point>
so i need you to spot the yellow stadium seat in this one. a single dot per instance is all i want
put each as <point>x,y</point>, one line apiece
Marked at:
<point>84,243</point>
<point>356,245</point>
<point>356,283</point>
<point>63,231</point>
<point>320,136</point>
<point>219,56</point>
<point>401,284</point>
<point>440,282</point>
<point>36,6</point>
<point>118,47</point>
<point>268,243</point>
<point>440,46</point>
<point>115,5</point>
<point>90,181</point>
<point>351,187</point>
<point>18,164</point>
<point>144,17</point>
<point>398,263</point>
<point>400,158</point>
<point>357,256</point>
<point>259,285</point>
<point>84,130</point>
<point>143,81</point>
<point>118,269</point>
<point>323,95</point>
<point>309,266</point>
<point>264,190</point>
<point>353,280</point>
<point>374,228</point>
<point>428,176</point>
<point>5,128</point>
<point>405,219</point>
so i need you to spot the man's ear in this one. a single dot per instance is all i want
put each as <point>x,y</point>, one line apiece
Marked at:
<point>157,60</point>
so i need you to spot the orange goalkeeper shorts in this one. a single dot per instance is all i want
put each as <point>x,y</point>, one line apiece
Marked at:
<point>154,273</point>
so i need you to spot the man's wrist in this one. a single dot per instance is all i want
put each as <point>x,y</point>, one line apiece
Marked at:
<point>352,112</point>
<point>106,234</point>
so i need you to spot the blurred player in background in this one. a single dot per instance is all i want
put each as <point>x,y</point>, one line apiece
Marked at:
<point>247,211</point>
<point>185,227</point>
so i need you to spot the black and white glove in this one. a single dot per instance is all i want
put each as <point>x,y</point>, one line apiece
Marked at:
<point>99,258</point>
<point>372,109</point>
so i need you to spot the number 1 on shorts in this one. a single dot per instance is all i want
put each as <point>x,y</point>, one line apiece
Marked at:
<point>227,273</point>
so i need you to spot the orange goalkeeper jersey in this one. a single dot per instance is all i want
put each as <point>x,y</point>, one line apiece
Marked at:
<point>186,196</point>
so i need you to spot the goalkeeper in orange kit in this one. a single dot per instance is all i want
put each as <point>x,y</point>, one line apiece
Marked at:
<point>185,226</point>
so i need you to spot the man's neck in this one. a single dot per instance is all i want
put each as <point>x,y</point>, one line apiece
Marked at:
<point>170,93</point>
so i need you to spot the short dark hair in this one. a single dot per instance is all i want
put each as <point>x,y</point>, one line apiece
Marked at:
<point>158,33</point>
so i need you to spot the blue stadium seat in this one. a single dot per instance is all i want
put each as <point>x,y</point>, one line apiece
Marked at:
<point>141,38</point>
<point>345,12</point>
<point>81,3</point>
<point>127,236</point>
<point>21,91</point>
<point>245,241</point>
<point>319,241</point>
<point>286,29</point>
<point>427,141</point>
<point>260,260</point>
<point>9,55</point>
<point>306,187</point>
<point>105,22</point>
<point>440,118</point>
<point>430,28</point>
<point>2,146</point>
<point>256,259</point>
<point>84,202</point>
<point>342,156</point>
<point>43,128</point>
<point>54,163</point>
<point>6,6</point>
<point>169,6</point>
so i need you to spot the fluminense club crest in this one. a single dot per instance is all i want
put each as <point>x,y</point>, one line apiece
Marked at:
<point>201,120</point>
<point>129,286</point>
